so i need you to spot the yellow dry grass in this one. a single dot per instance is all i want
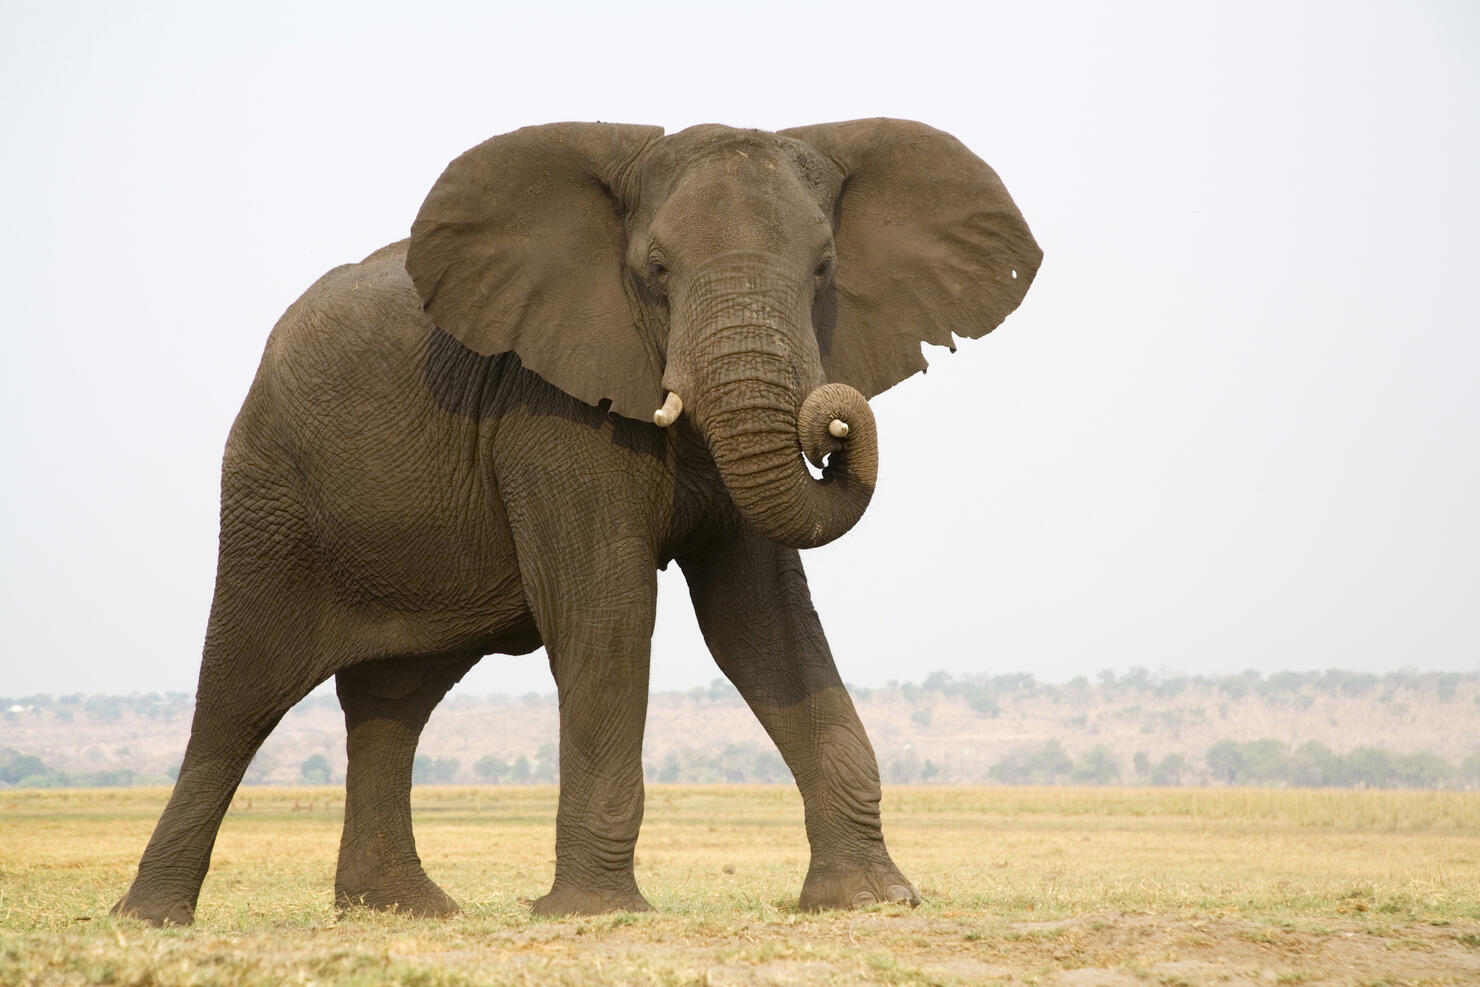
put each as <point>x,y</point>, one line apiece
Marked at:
<point>1072,886</point>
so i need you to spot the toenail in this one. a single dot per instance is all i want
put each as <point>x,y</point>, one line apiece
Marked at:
<point>864,898</point>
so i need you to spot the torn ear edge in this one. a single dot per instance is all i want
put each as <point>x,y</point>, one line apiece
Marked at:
<point>930,247</point>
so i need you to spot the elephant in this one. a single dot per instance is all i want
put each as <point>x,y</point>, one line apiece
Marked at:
<point>602,348</point>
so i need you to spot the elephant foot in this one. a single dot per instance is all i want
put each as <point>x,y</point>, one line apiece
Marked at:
<point>157,911</point>
<point>417,897</point>
<point>566,900</point>
<point>855,885</point>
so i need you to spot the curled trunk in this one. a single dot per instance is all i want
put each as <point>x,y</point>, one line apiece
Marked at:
<point>758,432</point>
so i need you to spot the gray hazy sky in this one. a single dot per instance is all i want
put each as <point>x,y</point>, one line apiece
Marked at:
<point>1235,423</point>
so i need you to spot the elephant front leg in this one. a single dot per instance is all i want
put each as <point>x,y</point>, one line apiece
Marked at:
<point>603,706</point>
<point>751,598</point>
<point>386,705</point>
<point>596,619</point>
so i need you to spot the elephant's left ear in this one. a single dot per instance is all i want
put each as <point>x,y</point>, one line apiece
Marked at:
<point>929,244</point>
<point>519,248</point>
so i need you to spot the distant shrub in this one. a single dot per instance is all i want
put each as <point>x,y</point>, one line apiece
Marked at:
<point>1446,684</point>
<point>1238,686</point>
<point>1335,680</point>
<point>722,691</point>
<point>315,770</point>
<point>1138,679</point>
<point>15,766</point>
<point>984,703</point>
<point>1168,688</point>
<point>1369,767</point>
<point>903,769</point>
<point>428,770</point>
<point>1169,770</point>
<point>1286,682</point>
<point>491,769</point>
<point>1423,770</point>
<point>104,709</point>
<point>1265,762</point>
<point>1048,764</point>
<point>1314,765</point>
<point>546,768</point>
<point>1096,766</point>
<point>1225,761</point>
<point>938,682</point>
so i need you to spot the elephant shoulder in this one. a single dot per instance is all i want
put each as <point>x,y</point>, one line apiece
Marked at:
<point>356,316</point>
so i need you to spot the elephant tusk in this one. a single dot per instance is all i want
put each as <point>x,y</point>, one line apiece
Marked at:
<point>838,429</point>
<point>668,414</point>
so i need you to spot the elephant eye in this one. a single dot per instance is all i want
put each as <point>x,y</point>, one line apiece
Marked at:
<point>824,267</point>
<point>657,272</point>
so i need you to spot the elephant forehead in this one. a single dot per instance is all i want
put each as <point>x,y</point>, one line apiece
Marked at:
<point>757,160</point>
<point>728,207</point>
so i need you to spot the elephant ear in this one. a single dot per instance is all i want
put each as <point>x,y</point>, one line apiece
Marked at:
<point>929,244</point>
<point>519,248</point>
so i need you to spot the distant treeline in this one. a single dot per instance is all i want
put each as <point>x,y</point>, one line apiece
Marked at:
<point>28,771</point>
<point>981,692</point>
<point>100,707</point>
<point>1131,695</point>
<point>736,763</point>
<point>1261,763</point>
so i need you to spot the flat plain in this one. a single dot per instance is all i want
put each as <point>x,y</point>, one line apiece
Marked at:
<point>1047,885</point>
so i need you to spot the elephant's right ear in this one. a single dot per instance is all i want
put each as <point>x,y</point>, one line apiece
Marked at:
<point>519,247</point>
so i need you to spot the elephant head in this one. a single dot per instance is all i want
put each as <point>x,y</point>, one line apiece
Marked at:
<point>766,284</point>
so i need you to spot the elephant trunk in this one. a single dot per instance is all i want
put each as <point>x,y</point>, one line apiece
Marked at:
<point>759,447</point>
<point>749,397</point>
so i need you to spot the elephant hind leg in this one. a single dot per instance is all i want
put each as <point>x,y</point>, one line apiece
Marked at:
<point>236,707</point>
<point>386,704</point>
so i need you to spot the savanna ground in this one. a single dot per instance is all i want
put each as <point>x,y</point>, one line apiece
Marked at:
<point>1048,886</point>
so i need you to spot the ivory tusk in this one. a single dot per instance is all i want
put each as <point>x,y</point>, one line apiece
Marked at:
<point>838,429</point>
<point>668,414</point>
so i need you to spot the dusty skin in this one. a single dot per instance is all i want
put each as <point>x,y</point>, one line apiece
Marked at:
<point>1047,886</point>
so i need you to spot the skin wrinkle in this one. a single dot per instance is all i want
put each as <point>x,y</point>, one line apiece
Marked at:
<point>426,471</point>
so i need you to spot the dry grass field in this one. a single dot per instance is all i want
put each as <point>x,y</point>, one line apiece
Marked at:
<point>1047,886</point>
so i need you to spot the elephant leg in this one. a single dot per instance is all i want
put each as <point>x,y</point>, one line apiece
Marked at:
<point>243,692</point>
<point>386,704</point>
<point>756,613</point>
<point>595,614</point>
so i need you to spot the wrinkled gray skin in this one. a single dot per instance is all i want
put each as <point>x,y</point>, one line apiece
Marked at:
<point>449,452</point>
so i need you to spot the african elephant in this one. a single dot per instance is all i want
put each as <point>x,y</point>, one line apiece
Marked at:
<point>451,450</point>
